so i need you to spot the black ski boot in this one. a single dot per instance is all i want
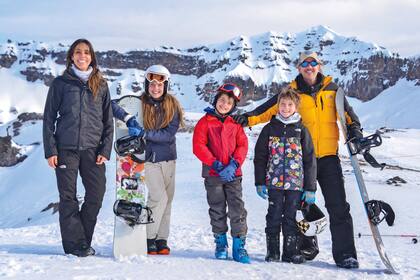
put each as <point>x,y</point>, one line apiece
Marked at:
<point>151,247</point>
<point>348,263</point>
<point>83,251</point>
<point>309,247</point>
<point>162,247</point>
<point>291,251</point>
<point>273,247</point>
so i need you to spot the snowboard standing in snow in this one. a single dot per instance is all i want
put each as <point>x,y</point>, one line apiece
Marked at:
<point>130,208</point>
<point>360,182</point>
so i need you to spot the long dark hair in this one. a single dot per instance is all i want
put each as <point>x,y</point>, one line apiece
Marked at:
<point>95,78</point>
<point>170,106</point>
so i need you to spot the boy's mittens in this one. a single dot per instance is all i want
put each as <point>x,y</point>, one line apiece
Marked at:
<point>217,166</point>
<point>262,191</point>
<point>228,173</point>
<point>308,197</point>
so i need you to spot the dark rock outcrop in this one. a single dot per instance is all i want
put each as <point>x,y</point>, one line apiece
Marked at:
<point>9,155</point>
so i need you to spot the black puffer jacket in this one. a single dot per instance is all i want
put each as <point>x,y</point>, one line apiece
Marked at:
<point>74,119</point>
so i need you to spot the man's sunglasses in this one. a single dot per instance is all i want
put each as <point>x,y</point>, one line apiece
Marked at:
<point>305,64</point>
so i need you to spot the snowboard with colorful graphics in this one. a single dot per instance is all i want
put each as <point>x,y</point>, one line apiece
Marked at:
<point>130,206</point>
<point>339,101</point>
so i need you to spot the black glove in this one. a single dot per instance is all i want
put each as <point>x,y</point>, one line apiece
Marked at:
<point>241,119</point>
<point>354,133</point>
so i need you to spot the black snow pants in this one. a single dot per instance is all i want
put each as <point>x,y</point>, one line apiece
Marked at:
<point>281,214</point>
<point>331,180</point>
<point>76,225</point>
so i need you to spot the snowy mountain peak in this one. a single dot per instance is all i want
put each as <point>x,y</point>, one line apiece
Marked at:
<point>260,64</point>
<point>322,30</point>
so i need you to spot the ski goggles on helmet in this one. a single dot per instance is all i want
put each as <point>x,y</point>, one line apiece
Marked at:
<point>159,78</point>
<point>305,64</point>
<point>231,89</point>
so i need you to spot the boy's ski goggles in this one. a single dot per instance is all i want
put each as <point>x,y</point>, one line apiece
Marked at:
<point>305,64</point>
<point>156,77</point>
<point>232,89</point>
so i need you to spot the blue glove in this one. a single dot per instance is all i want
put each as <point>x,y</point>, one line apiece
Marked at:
<point>308,197</point>
<point>132,122</point>
<point>217,166</point>
<point>262,191</point>
<point>134,129</point>
<point>228,173</point>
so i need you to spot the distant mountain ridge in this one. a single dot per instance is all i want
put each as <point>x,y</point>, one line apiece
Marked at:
<point>260,64</point>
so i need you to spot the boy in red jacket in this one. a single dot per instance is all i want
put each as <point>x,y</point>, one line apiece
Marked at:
<point>221,144</point>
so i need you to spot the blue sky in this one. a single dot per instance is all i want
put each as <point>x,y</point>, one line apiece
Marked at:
<point>130,24</point>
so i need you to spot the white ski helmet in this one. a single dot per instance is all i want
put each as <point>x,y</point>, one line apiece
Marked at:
<point>158,73</point>
<point>310,220</point>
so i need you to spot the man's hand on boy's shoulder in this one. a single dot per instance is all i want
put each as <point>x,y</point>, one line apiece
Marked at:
<point>241,119</point>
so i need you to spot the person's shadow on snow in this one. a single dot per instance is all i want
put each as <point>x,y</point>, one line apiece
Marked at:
<point>32,249</point>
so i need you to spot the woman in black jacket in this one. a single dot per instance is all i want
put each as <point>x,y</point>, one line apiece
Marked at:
<point>77,133</point>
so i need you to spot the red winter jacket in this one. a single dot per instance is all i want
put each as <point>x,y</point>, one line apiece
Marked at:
<point>217,140</point>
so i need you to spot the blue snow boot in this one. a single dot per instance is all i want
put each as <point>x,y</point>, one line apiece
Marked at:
<point>239,252</point>
<point>221,251</point>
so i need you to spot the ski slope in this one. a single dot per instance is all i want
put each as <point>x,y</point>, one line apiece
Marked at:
<point>31,249</point>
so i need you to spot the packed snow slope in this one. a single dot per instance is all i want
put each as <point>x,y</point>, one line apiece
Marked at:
<point>30,245</point>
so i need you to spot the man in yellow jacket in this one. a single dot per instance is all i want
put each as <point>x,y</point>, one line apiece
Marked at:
<point>319,115</point>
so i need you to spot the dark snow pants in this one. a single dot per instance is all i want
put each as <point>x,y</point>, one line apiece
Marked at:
<point>77,226</point>
<point>226,195</point>
<point>281,214</point>
<point>331,180</point>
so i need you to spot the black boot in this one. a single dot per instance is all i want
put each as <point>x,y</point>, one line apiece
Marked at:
<point>291,251</point>
<point>151,247</point>
<point>83,251</point>
<point>162,247</point>
<point>273,247</point>
<point>348,263</point>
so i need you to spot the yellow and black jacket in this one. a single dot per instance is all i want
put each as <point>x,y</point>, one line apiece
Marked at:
<point>318,111</point>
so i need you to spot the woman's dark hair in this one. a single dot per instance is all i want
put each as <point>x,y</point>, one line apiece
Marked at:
<point>95,78</point>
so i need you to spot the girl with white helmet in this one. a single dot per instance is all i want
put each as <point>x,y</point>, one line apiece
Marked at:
<point>162,116</point>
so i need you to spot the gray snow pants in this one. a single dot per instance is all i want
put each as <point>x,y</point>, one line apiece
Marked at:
<point>226,195</point>
<point>160,181</point>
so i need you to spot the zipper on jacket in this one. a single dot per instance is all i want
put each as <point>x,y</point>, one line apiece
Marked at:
<point>318,122</point>
<point>80,115</point>
<point>322,103</point>
<point>284,157</point>
<point>314,97</point>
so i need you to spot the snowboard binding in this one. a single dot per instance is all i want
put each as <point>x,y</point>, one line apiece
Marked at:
<point>133,213</point>
<point>378,211</point>
<point>130,145</point>
<point>363,145</point>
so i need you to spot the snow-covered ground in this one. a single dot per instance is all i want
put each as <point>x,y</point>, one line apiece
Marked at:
<point>30,245</point>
